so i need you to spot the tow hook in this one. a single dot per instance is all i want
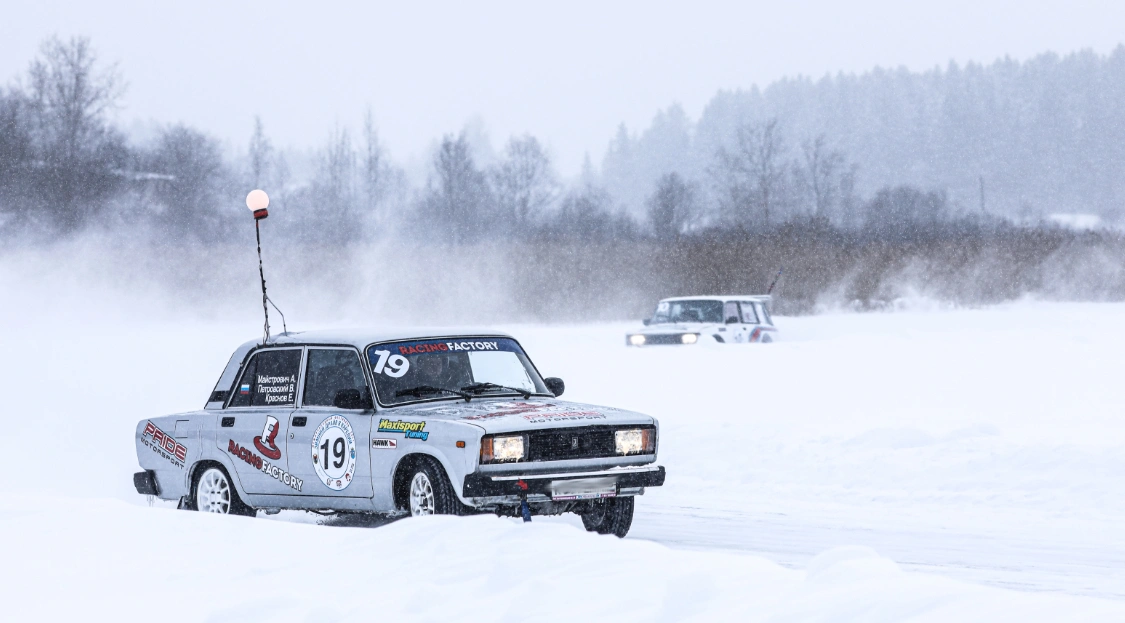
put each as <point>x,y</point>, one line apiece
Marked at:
<point>525,510</point>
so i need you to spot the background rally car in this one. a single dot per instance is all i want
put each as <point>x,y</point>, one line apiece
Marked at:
<point>457,425</point>
<point>741,319</point>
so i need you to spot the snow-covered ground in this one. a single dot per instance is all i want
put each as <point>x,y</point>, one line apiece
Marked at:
<point>875,467</point>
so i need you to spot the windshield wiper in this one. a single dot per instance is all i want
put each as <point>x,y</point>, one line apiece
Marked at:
<point>477,388</point>
<point>422,390</point>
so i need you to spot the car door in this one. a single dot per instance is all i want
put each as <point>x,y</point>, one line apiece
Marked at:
<point>750,320</point>
<point>329,446</point>
<point>252,427</point>
<point>735,330</point>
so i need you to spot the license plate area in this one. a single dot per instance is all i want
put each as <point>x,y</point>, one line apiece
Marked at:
<point>584,489</point>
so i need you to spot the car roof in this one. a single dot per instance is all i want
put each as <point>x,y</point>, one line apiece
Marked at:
<point>362,337</point>
<point>727,297</point>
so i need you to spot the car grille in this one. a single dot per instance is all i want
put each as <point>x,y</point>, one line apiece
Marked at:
<point>663,338</point>
<point>589,442</point>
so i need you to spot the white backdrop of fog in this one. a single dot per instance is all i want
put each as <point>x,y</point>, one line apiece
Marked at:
<point>567,73</point>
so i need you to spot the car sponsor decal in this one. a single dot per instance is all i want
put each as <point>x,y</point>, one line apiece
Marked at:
<point>264,466</point>
<point>443,346</point>
<point>164,444</point>
<point>509,409</point>
<point>410,430</point>
<point>384,444</point>
<point>265,443</point>
<point>333,452</point>
<point>562,416</point>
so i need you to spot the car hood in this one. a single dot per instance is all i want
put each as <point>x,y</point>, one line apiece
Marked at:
<point>682,327</point>
<point>500,415</point>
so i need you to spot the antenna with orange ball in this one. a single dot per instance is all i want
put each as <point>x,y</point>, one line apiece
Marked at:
<point>258,201</point>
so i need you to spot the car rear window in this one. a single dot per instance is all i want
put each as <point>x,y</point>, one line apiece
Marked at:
<point>269,379</point>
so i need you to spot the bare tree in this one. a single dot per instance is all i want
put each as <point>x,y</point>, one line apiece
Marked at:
<point>261,155</point>
<point>69,97</point>
<point>193,163</point>
<point>457,197</point>
<point>334,188</point>
<point>820,173</point>
<point>525,182</point>
<point>752,175</point>
<point>672,207</point>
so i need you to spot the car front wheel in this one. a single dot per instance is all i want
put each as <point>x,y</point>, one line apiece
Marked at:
<point>609,516</point>
<point>215,494</point>
<point>430,492</point>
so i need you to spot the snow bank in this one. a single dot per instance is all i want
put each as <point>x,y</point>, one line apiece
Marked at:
<point>106,558</point>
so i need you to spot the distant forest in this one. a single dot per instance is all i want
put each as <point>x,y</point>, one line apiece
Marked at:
<point>864,185</point>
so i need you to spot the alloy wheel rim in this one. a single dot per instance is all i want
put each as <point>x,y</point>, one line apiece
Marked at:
<point>421,495</point>
<point>213,495</point>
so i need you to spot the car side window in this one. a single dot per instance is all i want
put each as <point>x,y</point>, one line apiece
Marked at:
<point>766,313</point>
<point>730,312</point>
<point>269,380</point>
<point>329,371</point>
<point>749,315</point>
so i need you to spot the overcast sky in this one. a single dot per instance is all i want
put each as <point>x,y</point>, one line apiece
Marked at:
<point>568,74</point>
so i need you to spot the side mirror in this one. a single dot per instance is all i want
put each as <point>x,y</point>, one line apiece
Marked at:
<point>732,320</point>
<point>646,321</point>
<point>556,385</point>
<point>352,399</point>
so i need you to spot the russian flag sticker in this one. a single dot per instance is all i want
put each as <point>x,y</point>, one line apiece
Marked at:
<point>245,389</point>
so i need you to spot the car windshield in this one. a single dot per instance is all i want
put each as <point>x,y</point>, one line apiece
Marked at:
<point>451,368</point>
<point>688,311</point>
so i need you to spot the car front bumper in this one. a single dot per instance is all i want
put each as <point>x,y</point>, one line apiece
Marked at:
<point>511,488</point>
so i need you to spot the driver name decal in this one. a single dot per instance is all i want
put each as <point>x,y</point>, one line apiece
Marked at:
<point>411,430</point>
<point>277,389</point>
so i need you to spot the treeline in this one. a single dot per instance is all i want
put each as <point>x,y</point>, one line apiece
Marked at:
<point>764,179</point>
<point>1018,139</point>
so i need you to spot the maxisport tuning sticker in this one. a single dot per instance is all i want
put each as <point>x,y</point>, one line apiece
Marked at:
<point>333,452</point>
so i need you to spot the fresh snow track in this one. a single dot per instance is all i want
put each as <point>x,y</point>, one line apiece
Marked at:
<point>1014,562</point>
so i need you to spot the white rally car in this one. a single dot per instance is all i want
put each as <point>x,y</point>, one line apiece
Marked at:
<point>431,423</point>
<point>737,319</point>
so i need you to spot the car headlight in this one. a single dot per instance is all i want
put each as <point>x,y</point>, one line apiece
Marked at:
<point>501,449</point>
<point>637,340</point>
<point>635,441</point>
<point>689,338</point>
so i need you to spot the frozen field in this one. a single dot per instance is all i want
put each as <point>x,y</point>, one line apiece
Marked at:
<point>940,465</point>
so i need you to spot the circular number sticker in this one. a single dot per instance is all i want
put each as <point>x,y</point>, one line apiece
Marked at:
<point>333,452</point>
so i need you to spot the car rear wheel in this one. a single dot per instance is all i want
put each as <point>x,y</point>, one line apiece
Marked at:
<point>430,492</point>
<point>609,516</point>
<point>214,493</point>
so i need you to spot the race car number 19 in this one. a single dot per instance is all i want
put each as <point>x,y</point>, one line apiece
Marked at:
<point>333,452</point>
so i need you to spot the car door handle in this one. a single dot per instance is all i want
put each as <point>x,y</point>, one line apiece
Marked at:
<point>300,420</point>
<point>227,422</point>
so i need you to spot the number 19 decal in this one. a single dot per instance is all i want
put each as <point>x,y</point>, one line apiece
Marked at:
<point>391,365</point>
<point>333,452</point>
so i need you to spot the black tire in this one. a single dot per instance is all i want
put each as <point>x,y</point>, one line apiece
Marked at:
<point>441,500</point>
<point>215,479</point>
<point>766,338</point>
<point>610,516</point>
